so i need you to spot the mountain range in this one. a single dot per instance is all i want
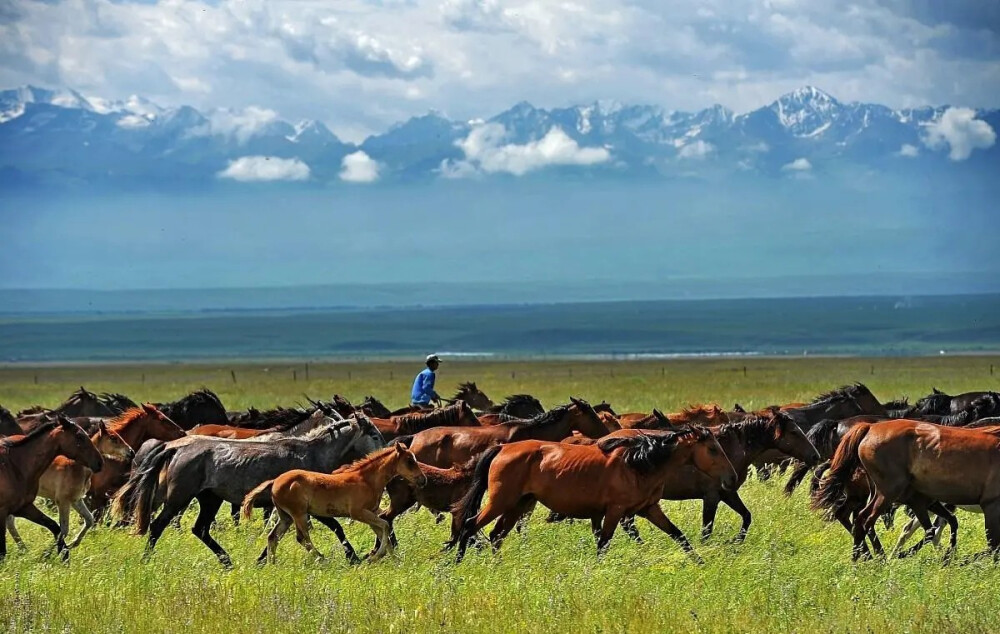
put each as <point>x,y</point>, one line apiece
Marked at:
<point>60,136</point>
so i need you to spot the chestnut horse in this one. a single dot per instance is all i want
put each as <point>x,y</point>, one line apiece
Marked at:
<point>707,415</point>
<point>135,426</point>
<point>923,466</point>
<point>67,481</point>
<point>23,460</point>
<point>614,478</point>
<point>301,423</point>
<point>459,414</point>
<point>352,491</point>
<point>447,446</point>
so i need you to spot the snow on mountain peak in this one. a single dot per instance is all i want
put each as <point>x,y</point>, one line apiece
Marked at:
<point>13,102</point>
<point>806,111</point>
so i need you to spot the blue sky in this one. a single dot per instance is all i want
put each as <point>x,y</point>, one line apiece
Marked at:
<point>361,65</point>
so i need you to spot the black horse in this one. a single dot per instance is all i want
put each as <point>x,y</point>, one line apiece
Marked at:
<point>197,408</point>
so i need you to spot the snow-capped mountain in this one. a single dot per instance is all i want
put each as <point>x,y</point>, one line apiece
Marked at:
<point>58,135</point>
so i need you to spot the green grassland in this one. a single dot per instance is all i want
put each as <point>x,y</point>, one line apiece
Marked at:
<point>793,574</point>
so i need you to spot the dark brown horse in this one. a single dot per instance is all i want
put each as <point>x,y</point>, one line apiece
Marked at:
<point>605,482</point>
<point>443,490</point>
<point>8,424</point>
<point>447,446</point>
<point>471,394</point>
<point>23,460</point>
<point>197,408</point>
<point>843,402</point>
<point>825,436</point>
<point>459,414</point>
<point>937,403</point>
<point>923,466</point>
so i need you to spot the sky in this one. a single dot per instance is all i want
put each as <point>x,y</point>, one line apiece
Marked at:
<point>362,65</point>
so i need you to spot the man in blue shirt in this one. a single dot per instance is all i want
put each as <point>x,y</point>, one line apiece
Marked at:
<point>423,392</point>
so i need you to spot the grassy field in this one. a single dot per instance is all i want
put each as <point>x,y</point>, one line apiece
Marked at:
<point>792,574</point>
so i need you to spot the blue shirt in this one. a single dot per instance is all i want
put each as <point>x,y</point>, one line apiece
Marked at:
<point>423,388</point>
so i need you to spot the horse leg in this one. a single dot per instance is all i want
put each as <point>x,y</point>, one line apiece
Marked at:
<point>904,536</point>
<point>494,508</point>
<point>88,522</point>
<point>865,522</point>
<point>3,536</point>
<point>595,525</point>
<point>944,514</point>
<point>279,530</point>
<point>381,529</point>
<point>844,516</point>
<point>338,530</point>
<point>920,513</point>
<point>32,514</point>
<point>13,533</point>
<point>208,506</point>
<point>301,521</point>
<point>991,513</point>
<point>173,507</point>
<point>511,519</point>
<point>628,525</point>
<point>735,502</point>
<point>234,512</point>
<point>612,515</point>
<point>63,507</point>
<point>657,518</point>
<point>401,499</point>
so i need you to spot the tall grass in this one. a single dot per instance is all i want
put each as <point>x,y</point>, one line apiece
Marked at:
<point>792,574</point>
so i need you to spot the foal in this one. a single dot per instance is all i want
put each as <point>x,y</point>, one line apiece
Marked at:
<point>67,481</point>
<point>352,491</point>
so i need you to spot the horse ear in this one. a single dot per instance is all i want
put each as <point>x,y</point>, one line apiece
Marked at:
<point>400,447</point>
<point>657,413</point>
<point>102,427</point>
<point>936,391</point>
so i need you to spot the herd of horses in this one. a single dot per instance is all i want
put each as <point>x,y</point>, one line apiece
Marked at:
<point>141,465</point>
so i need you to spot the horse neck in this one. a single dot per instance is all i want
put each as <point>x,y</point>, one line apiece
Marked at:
<point>741,448</point>
<point>39,454</point>
<point>377,473</point>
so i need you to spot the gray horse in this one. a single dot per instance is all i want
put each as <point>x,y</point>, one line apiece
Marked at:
<point>217,470</point>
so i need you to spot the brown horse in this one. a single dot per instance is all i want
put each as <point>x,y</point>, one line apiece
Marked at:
<point>67,481</point>
<point>443,490</point>
<point>23,460</point>
<point>290,427</point>
<point>923,466</point>
<point>447,446</point>
<point>459,414</point>
<point>471,394</point>
<point>135,426</point>
<point>352,491</point>
<point>615,478</point>
<point>707,415</point>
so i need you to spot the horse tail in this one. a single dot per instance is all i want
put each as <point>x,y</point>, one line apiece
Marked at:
<point>798,475</point>
<point>832,490</point>
<point>135,499</point>
<point>468,507</point>
<point>259,496</point>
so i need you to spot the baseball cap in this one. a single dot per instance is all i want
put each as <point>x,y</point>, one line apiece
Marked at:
<point>433,357</point>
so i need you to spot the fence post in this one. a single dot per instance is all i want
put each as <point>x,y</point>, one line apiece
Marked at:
<point>232,373</point>
<point>36,376</point>
<point>873,370</point>
<point>991,369</point>
<point>295,376</point>
<point>143,378</point>
<point>744,370</point>
<point>348,375</point>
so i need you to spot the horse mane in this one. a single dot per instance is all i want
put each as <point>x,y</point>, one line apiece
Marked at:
<point>465,388</point>
<point>439,417</point>
<point>700,410</point>
<point>40,430</point>
<point>6,416</point>
<point>78,395</point>
<point>115,402</point>
<point>899,403</point>
<point>550,417</point>
<point>645,452</point>
<point>604,406</point>
<point>204,395</point>
<point>754,430</point>
<point>842,393</point>
<point>515,399</point>
<point>121,420</point>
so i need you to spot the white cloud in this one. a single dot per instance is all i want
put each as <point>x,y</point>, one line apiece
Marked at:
<point>362,65</point>
<point>798,165</point>
<point>485,148</point>
<point>959,130</point>
<point>358,168</point>
<point>697,150</point>
<point>908,151</point>
<point>265,168</point>
<point>242,125</point>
